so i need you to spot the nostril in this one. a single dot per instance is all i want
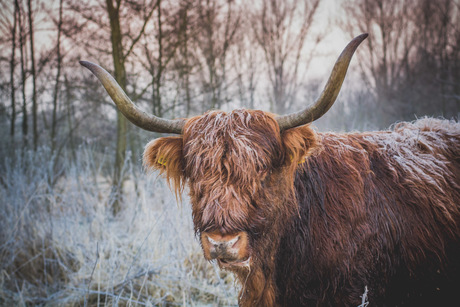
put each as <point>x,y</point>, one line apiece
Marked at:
<point>213,254</point>
<point>214,242</point>
<point>233,242</point>
<point>218,251</point>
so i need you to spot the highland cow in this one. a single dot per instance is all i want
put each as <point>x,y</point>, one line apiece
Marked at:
<point>313,219</point>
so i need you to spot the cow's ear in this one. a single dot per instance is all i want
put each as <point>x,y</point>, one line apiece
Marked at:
<point>165,155</point>
<point>298,143</point>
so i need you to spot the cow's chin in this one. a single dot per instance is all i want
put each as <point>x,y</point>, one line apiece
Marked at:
<point>234,264</point>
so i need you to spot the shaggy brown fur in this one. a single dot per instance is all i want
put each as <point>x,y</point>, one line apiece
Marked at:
<point>366,209</point>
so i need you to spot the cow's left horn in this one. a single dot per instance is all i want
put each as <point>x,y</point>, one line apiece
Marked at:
<point>329,94</point>
<point>129,109</point>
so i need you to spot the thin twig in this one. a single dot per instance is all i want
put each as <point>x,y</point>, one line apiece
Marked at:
<point>92,272</point>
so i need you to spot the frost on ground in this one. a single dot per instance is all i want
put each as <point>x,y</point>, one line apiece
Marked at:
<point>61,245</point>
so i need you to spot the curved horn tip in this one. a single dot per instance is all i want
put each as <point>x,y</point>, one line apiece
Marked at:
<point>85,63</point>
<point>355,42</point>
<point>362,36</point>
<point>330,92</point>
<point>90,65</point>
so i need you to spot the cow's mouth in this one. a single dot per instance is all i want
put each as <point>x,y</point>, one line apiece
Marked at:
<point>234,263</point>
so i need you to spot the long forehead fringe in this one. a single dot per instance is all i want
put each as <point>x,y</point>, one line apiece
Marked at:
<point>236,144</point>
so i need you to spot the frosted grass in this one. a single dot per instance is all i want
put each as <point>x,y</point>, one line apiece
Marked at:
<point>60,244</point>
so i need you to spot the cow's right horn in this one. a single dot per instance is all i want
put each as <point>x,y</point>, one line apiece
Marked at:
<point>129,109</point>
<point>329,94</point>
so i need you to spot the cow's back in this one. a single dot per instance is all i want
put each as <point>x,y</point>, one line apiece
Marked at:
<point>377,210</point>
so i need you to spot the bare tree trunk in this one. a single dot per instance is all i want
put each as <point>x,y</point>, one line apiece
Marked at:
<point>34,77</point>
<point>185,67</point>
<point>56,86</point>
<point>157,62</point>
<point>23,76</point>
<point>12,67</point>
<point>159,110</point>
<point>247,64</point>
<point>122,124</point>
<point>68,100</point>
<point>119,57</point>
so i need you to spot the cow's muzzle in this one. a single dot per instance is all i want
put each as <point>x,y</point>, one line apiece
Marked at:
<point>229,250</point>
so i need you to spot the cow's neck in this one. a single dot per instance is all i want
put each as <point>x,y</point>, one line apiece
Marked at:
<point>258,280</point>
